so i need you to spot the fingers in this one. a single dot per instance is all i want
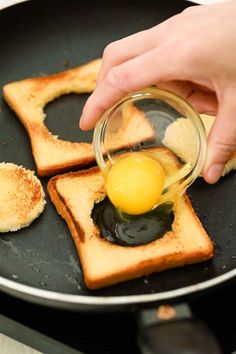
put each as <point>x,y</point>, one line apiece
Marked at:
<point>136,44</point>
<point>122,50</point>
<point>105,95</point>
<point>204,102</point>
<point>222,139</point>
<point>136,73</point>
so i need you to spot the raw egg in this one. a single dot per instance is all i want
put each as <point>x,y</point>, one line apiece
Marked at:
<point>134,183</point>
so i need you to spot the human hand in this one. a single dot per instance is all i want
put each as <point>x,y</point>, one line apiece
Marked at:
<point>192,54</point>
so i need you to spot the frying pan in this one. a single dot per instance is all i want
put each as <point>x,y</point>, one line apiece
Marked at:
<point>40,263</point>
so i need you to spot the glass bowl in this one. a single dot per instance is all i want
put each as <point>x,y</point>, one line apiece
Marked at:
<point>158,123</point>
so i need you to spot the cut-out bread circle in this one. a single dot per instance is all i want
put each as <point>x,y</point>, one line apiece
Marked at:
<point>22,197</point>
<point>182,131</point>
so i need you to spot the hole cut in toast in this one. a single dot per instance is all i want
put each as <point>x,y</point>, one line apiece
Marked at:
<point>104,263</point>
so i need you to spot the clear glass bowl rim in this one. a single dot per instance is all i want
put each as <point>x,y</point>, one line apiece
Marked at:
<point>165,95</point>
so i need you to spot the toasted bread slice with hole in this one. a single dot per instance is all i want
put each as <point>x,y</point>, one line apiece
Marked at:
<point>74,195</point>
<point>28,97</point>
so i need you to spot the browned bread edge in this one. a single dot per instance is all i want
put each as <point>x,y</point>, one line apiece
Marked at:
<point>145,267</point>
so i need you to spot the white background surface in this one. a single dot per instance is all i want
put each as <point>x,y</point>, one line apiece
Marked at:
<point>5,3</point>
<point>8,345</point>
<point>11,346</point>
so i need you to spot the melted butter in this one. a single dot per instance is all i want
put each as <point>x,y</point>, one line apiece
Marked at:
<point>134,230</point>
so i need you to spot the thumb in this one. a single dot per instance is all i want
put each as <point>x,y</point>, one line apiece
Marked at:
<point>222,139</point>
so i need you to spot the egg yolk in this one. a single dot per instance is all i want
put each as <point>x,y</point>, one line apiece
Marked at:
<point>134,183</point>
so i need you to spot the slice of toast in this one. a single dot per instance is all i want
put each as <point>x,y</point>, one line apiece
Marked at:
<point>74,195</point>
<point>28,97</point>
<point>180,138</point>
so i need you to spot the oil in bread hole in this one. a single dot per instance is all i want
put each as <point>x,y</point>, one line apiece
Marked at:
<point>134,230</point>
<point>130,216</point>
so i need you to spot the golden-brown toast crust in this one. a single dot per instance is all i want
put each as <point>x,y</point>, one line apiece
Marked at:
<point>104,263</point>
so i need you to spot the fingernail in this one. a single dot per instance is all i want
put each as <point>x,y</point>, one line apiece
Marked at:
<point>81,122</point>
<point>84,125</point>
<point>214,173</point>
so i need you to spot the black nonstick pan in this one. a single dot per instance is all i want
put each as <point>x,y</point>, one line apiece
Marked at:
<point>40,263</point>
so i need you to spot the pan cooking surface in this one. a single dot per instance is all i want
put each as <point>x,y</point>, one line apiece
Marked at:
<point>39,38</point>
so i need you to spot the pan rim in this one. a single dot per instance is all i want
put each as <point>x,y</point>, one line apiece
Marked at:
<point>21,290</point>
<point>18,289</point>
